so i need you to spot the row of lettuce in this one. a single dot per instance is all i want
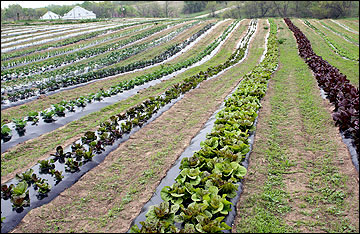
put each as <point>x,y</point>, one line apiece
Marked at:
<point>95,142</point>
<point>352,55</point>
<point>59,109</point>
<point>337,87</point>
<point>68,41</point>
<point>199,200</point>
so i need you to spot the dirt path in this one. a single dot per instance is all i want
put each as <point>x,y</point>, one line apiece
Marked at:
<point>110,196</point>
<point>300,177</point>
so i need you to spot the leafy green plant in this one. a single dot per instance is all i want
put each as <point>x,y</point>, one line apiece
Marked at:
<point>59,109</point>
<point>159,220</point>
<point>5,131</point>
<point>88,137</point>
<point>19,123</point>
<point>33,116</point>
<point>25,176</point>
<point>46,165</point>
<point>72,165</point>
<point>88,155</point>
<point>43,187</point>
<point>20,195</point>
<point>60,155</point>
<point>48,115</point>
<point>174,193</point>
<point>58,174</point>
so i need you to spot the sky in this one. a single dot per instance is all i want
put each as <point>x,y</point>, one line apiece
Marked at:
<point>37,4</point>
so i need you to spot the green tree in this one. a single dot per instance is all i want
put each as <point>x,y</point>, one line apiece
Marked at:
<point>14,12</point>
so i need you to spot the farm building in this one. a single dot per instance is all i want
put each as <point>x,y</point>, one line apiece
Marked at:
<point>50,15</point>
<point>79,13</point>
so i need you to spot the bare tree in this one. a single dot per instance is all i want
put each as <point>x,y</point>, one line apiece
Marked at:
<point>264,7</point>
<point>282,7</point>
<point>166,9</point>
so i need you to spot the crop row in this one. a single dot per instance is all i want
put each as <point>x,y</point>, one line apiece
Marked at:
<point>36,33</point>
<point>199,199</point>
<point>72,79</point>
<point>28,42</point>
<point>95,62</point>
<point>338,49</point>
<point>94,142</point>
<point>71,48</point>
<point>68,41</point>
<point>346,37</point>
<point>26,30</point>
<point>51,34</point>
<point>347,27</point>
<point>54,63</point>
<point>337,87</point>
<point>60,108</point>
<point>40,79</point>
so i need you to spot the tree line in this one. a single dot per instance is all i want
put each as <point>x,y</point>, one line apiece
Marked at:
<point>240,9</point>
<point>300,9</point>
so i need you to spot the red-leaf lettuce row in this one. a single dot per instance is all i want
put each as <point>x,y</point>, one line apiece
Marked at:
<point>337,87</point>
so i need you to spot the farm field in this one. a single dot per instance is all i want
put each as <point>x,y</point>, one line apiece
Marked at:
<point>218,124</point>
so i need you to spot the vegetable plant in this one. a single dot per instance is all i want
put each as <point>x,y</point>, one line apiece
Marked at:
<point>19,123</point>
<point>20,195</point>
<point>5,132</point>
<point>48,115</point>
<point>46,165</point>
<point>72,165</point>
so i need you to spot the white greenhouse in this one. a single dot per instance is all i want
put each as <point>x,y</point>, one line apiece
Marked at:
<point>79,13</point>
<point>50,15</point>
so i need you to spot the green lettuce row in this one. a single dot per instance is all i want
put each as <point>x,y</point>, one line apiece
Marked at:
<point>199,199</point>
<point>333,45</point>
